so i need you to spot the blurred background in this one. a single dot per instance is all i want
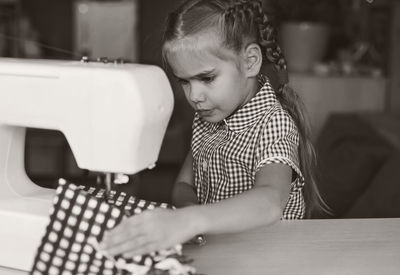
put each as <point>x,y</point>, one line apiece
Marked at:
<point>344,61</point>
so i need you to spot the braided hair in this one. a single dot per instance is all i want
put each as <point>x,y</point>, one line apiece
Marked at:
<point>241,22</point>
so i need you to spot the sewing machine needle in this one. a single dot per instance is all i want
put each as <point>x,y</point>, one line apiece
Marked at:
<point>108,184</point>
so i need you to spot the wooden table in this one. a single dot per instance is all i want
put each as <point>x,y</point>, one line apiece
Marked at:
<point>334,247</point>
<point>365,246</point>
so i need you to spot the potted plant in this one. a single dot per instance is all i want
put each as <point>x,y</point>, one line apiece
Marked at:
<point>304,29</point>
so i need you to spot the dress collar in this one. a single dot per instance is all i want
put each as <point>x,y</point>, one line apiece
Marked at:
<point>253,110</point>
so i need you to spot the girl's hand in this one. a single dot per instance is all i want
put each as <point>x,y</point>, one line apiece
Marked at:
<point>149,231</point>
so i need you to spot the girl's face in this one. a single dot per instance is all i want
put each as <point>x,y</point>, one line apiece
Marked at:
<point>212,77</point>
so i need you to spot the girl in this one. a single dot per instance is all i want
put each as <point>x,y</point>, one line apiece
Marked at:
<point>251,159</point>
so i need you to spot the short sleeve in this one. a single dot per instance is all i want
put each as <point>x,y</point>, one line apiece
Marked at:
<point>279,142</point>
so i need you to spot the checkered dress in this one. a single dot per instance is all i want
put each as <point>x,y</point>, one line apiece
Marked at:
<point>228,154</point>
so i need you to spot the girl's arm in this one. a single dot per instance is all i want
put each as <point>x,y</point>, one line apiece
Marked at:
<point>262,205</point>
<point>183,192</point>
<point>161,228</point>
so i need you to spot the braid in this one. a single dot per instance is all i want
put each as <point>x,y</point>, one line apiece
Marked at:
<point>240,21</point>
<point>238,7</point>
<point>249,15</point>
<point>272,51</point>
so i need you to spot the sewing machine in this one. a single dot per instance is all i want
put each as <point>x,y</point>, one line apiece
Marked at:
<point>113,115</point>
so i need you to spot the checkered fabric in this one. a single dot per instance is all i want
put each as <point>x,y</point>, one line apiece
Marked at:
<point>228,154</point>
<point>78,219</point>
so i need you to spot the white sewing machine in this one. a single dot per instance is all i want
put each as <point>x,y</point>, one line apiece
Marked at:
<point>114,117</point>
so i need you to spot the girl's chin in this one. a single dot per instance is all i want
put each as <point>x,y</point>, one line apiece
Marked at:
<point>212,118</point>
<point>212,115</point>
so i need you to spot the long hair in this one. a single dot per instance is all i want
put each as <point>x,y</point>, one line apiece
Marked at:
<point>241,22</point>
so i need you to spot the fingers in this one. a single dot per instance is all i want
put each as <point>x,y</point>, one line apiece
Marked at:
<point>125,231</point>
<point>126,235</point>
<point>135,245</point>
<point>129,247</point>
<point>126,226</point>
<point>145,248</point>
<point>144,233</point>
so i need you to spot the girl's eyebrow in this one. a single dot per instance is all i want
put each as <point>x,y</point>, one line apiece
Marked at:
<point>199,75</point>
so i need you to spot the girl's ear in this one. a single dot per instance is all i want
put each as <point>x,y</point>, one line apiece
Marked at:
<point>253,59</point>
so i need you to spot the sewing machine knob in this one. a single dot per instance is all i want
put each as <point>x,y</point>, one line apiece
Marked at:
<point>120,178</point>
<point>85,59</point>
<point>103,59</point>
<point>119,61</point>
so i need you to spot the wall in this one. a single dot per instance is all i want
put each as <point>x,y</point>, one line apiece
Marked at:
<point>327,95</point>
<point>53,20</point>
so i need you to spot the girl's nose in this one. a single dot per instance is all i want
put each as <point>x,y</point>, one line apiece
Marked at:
<point>196,93</point>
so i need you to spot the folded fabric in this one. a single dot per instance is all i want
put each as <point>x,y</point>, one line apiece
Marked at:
<point>78,219</point>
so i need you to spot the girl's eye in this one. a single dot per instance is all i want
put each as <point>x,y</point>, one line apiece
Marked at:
<point>208,79</point>
<point>183,82</point>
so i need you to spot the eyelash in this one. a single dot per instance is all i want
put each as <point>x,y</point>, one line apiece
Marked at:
<point>183,82</point>
<point>206,79</point>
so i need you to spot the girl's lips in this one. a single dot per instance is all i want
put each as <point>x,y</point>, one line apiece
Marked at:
<point>204,112</point>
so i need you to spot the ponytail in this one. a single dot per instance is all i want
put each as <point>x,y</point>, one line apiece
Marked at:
<point>293,104</point>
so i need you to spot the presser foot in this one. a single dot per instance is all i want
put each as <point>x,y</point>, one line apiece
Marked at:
<point>108,180</point>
